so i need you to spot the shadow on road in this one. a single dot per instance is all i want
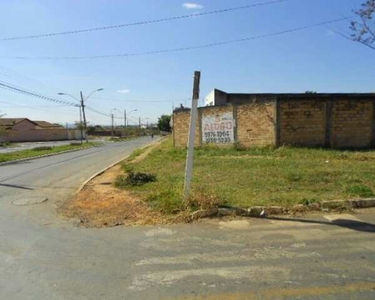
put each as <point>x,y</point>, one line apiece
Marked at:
<point>16,186</point>
<point>350,224</point>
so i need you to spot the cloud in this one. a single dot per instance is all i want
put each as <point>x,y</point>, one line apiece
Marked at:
<point>191,5</point>
<point>125,91</point>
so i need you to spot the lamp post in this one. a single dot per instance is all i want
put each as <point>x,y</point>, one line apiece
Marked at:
<point>128,114</point>
<point>82,101</point>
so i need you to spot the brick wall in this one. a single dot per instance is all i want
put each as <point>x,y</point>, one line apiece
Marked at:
<point>256,123</point>
<point>181,121</point>
<point>351,123</point>
<point>302,122</point>
<point>314,122</point>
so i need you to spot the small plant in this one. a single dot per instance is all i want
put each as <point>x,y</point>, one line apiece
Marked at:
<point>239,147</point>
<point>204,200</point>
<point>43,148</point>
<point>309,201</point>
<point>75,144</point>
<point>128,168</point>
<point>359,190</point>
<point>134,179</point>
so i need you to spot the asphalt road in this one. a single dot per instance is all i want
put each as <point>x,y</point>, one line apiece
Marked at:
<point>45,257</point>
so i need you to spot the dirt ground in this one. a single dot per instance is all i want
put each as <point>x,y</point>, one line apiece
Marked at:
<point>100,204</point>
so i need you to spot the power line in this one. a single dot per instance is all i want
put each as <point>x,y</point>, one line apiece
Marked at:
<point>181,48</point>
<point>36,108</point>
<point>23,91</point>
<point>141,101</point>
<point>147,22</point>
<point>96,111</point>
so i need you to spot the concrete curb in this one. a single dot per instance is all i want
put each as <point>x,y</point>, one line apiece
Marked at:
<point>262,211</point>
<point>10,162</point>
<point>106,168</point>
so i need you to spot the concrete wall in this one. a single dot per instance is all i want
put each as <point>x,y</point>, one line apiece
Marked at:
<point>337,122</point>
<point>39,135</point>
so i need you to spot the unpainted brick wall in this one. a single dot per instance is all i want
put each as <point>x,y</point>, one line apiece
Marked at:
<point>181,122</point>
<point>352,123</point>
<point>336,123</point>
<point>302,122</point>
<point>256,123</point>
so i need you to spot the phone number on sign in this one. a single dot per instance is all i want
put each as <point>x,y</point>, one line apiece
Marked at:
<point>217,137</point>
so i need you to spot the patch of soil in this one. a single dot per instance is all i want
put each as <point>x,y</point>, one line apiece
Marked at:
<point>100,204</point>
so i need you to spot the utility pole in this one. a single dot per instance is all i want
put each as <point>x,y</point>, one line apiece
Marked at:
<point>191,141</point>
<point>139,122</point>
<point>125,118</point>
<point>113,128</point>
<point>80,122</point>
<point>84,116</point>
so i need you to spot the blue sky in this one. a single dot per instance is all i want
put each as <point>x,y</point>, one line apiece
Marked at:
<point>314,59</point>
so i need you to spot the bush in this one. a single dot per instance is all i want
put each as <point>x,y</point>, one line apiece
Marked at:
<point>134,179</point>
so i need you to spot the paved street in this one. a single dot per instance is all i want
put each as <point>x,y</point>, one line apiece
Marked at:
<point>43,256</point>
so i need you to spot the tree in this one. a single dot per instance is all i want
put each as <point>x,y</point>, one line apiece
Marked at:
<point>363,31</point>
<point>79,125</point>
<point>164,123</point>
<point>310,92</point>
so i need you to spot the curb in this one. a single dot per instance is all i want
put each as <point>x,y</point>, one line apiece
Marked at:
<point>106,168</point>
<point>10,162</point>
<point>263,211</point>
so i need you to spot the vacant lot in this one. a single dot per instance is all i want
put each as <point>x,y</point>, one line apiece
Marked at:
<point>263,176</point>
<point>4,157</point>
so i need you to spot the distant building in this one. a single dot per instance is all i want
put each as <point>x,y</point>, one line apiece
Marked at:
<point>26,130</point>
<point>47,125</point>
<point>26,124</point>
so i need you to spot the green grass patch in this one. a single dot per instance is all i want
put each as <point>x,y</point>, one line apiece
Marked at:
<point>360,191</point>
<point>4,157</point>
<point>259,176</point>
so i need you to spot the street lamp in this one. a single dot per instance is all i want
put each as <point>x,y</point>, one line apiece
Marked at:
<point>82,106</point>
<point>125,115</point>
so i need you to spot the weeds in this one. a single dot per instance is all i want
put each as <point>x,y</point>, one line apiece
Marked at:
<point>258,176</point>
<point>134,179</point>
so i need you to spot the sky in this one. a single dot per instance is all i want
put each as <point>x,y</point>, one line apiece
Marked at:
<point>315,59</point>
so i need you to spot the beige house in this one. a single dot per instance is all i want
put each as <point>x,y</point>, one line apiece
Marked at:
<point>26,124</point>
<point>25,130</point>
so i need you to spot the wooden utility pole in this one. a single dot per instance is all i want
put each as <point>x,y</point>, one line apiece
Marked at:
<point>139,122</point>
<point>191,141</point>
<point>80,122</point>
<point>84,115</point>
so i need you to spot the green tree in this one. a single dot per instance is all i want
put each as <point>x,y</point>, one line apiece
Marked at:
<point>363,31</point>
<point>164,123</point>
<point>78,125</point>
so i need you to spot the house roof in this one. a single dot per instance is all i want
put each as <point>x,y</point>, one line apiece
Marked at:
<point>46,124</point>
<point>11,121</point>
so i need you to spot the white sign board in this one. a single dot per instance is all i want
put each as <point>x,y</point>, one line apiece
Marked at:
<point>218,129</point>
